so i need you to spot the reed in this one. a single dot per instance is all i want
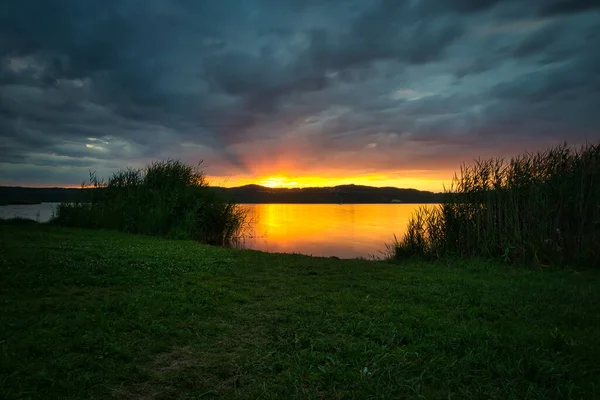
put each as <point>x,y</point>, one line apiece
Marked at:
<point>542,208</point>
<point>166,198</point>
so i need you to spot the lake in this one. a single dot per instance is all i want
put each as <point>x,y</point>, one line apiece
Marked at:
<point>38,212</point>
<point>341,230</point>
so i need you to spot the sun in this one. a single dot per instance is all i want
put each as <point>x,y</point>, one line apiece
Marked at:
<point>277,182</point>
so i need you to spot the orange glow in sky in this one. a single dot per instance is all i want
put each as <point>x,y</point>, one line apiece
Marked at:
<point>277,182</point>
<point>301,165</point>
<point>431,183</point>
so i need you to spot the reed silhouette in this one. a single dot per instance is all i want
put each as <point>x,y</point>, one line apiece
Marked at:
<point>542,208</point>
<point>166,198</point>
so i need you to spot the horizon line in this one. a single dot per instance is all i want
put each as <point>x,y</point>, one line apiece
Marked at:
<point>241,186</point>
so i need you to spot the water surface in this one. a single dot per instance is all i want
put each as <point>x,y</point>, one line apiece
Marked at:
<point>341,230</point>
<point>345,231</point>
<point>38,212</point>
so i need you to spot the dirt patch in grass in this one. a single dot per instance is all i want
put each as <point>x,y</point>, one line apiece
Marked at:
<point>145,391</point>
<point>179,360</point>
<point>180,374</point>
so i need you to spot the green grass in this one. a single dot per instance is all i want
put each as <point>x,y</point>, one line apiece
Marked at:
<point>98,314</point>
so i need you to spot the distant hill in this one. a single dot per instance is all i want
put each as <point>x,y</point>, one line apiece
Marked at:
<point>24,195</point>
<point>353,194</point>
<point>338,194</point>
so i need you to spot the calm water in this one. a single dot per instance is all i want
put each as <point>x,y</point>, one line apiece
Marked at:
<point>345,231</point>
<point>38,212</point>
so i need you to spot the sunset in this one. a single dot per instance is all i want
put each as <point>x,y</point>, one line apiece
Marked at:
<point>285,181</point>
<point>299,199</point>
<point>373,92</point>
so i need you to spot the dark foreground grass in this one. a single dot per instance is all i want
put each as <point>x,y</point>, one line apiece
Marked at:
<point>96,314</point>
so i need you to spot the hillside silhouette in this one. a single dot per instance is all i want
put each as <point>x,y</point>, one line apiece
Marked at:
<point>251,194</point>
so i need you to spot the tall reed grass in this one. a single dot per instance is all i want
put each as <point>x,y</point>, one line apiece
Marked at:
<point>166,198</point>
<point>542,208</point>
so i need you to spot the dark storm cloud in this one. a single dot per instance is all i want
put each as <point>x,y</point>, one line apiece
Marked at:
<point>537,42</point>
<point>569,6</point>
<point>385,31</point>
<point>462,6</point>
<point>87,83</point>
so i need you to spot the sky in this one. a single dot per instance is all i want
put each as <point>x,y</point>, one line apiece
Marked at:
<point>290,92</point>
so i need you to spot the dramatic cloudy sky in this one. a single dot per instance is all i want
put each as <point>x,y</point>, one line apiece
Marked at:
<point>371,91</point>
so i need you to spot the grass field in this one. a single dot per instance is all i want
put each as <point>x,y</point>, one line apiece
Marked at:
<point>97,314</point>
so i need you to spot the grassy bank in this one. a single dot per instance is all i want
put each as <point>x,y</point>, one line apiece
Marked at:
<point>99,314</point>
